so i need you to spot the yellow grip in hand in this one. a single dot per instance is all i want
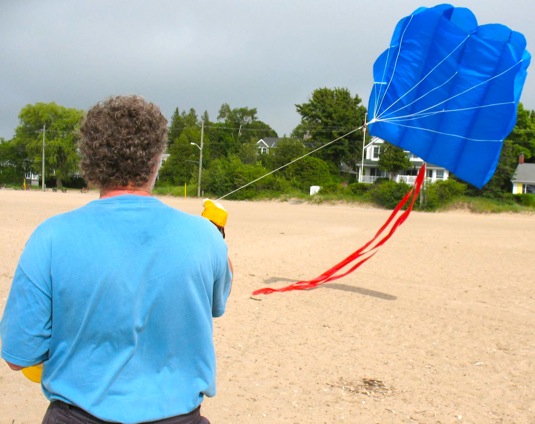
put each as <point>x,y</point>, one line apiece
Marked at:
<point>33,373</point>
<point>215,212</point>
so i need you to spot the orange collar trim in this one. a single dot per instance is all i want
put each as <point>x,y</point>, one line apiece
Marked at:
<point>113,193</point>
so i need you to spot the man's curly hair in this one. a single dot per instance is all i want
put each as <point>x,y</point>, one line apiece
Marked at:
<point>121,140</point>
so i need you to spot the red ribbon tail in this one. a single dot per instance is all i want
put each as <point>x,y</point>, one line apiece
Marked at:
<point>370,248</point>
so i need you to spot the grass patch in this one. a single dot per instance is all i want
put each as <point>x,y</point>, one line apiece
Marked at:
<point>481,205</point>
<point>177,191</point>
<point>485,205</point>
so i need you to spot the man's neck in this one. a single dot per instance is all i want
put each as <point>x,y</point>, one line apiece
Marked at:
<point>118,191</point>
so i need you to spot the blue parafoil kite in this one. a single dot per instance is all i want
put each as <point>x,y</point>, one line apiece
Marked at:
<point>447,90</point>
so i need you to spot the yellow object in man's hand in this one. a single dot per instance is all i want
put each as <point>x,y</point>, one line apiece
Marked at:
<point>215,213</point>
<point>33,373</point>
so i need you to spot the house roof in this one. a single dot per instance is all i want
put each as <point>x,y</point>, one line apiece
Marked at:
<point>269,141</point>
<point>525,173</point>
<point>344,167</point>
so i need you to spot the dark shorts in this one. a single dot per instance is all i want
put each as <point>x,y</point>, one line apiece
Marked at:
<point>62,413</point>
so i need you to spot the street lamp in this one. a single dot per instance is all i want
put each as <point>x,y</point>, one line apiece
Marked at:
<point>361,169</point>
<point>43,160</point>
<point>200,160</point>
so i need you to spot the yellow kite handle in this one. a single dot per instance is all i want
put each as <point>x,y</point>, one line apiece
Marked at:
<point>215,212</point>
<point>33,373</point>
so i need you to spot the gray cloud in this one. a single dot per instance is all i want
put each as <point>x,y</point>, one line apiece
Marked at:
<point>264,54</point>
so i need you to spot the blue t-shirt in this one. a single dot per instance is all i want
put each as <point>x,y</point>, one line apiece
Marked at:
<point>117,298</point>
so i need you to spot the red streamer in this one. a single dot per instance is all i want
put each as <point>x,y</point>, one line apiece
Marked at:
<point>365,252</point>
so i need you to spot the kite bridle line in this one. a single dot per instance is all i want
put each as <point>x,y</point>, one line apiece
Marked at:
<point>293,161</point>
<point>391,115</point>
<point>419,82</point>
<point>430,108</point>
<point>378,107</point>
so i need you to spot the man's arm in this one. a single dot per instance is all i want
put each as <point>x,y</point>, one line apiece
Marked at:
<point>14,367</point>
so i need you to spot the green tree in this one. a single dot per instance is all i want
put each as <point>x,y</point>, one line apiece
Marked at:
<point>237,117</point>
<point>257,130</point>
<point>182,165</point>
<point>440,193</point>
<point>205,118</point>
<point>243,125</point>
<point>226,175</point>
<point>393,159</point>
<point>311,171</point>
<point>180,121</point>
<point>175,127</point>
<point>287,150</point>
<point>248,153</point>
<point>523,134</point>
<point>58,126</point>
<point>500,182</point>
<point>388,193</point>
<point>520,141</point>
<point>222,142</point>
<point>12,163</point>
<point>328,115</point>
<point>190,119</point>
<point>183,162</point>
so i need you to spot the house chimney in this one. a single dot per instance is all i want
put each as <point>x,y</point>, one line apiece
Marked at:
<point>521,159</point>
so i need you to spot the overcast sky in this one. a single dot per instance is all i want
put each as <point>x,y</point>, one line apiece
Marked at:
<point>263,54</point>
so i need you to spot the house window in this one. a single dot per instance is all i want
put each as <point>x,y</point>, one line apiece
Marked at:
<point>263,150</point>
<point>376,152</point>
<point>529,189</point>
<point>440,174</point>
<point>376,172</point>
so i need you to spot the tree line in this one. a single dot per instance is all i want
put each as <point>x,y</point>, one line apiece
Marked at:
<point>231,157</point>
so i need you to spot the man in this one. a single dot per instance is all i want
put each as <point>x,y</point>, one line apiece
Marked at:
<point>116,298</point>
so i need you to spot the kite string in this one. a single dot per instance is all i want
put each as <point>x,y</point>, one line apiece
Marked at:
<point>293,161</point>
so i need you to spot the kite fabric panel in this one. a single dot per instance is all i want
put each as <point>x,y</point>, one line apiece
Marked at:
<point>447,90</point>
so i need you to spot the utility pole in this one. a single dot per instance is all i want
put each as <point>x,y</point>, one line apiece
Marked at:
<point>361,168</point>
<point>200,159</point>
<point>43,161</point>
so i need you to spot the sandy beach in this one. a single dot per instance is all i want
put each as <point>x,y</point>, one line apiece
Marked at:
<point>438,327</point>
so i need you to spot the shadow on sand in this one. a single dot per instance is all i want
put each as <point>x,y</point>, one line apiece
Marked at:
<point>338,286</point>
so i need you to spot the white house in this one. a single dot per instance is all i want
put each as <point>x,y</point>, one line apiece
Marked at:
<point>32,178</point>
<point>266,143</point>
<point>368,169</point>
<point>524,177</point>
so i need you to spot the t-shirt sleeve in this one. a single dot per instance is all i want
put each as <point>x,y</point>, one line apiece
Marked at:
<point>222,283</point>
<point>26,323</point>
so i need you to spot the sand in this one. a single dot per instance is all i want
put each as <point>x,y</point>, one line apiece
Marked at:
<point>438,327</point>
